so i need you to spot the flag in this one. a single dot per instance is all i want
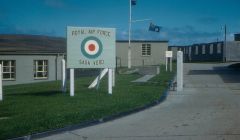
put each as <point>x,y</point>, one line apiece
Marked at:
<point>133,2</point>
<point>154,28</point>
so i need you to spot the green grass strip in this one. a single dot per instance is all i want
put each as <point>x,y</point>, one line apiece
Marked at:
<point>33,108</point>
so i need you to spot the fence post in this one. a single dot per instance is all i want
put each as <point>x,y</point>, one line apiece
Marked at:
<point>166,63</point>
<point>170,64</point>
<point>158,70</point>
<point>179,71</point>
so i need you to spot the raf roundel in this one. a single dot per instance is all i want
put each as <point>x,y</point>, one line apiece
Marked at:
<point>91,47</point>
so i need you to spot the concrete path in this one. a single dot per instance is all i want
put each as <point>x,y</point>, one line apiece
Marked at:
<point>207,109</point>
<point>145,78</point>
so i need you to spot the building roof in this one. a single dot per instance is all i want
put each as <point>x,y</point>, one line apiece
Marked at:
<point>199,44</point>
<point>142,41</point>
<point>37,44</point>
<point>177,46</point>
<point>32,44</point>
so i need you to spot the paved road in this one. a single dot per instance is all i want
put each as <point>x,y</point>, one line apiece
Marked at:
<point>207,109</point>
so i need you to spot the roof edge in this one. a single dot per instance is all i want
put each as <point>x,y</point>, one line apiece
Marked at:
<point>140,41</point>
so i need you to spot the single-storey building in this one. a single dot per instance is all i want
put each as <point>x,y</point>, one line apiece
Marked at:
<point>174,50</point>
<point>29,59</point>
<point>237,37</point>
<point>32,58</point>
<point>201,52</point>
<point>205,52</point>
<point>143,52</point>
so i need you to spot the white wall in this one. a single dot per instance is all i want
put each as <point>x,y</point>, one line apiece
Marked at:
<point>157,53</point>
<point>24,68</point>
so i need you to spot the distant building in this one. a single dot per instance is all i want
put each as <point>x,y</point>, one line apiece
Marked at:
<point>207,52</point>
<point>175,49</point>
<point>237,37</point>
<point>144,52</point>
<point>233,50</point>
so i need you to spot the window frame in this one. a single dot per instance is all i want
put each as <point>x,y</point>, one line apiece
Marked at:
<point>146,50</point>
<point>45,69</point>
<point>203,49</point>
<point>211,49</point>
<point>196,50</point>
<point>10,72</point>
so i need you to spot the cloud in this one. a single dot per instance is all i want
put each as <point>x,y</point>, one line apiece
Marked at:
<point>11,29</point>
<point>140,34</point>
<point>189,35</point>
<point>8,29</point>
<point>122,34</point>
<point>37,32</point>
<point>207,20</point>
<point>176,36</point>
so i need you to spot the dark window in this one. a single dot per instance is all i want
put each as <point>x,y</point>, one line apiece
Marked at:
<point>146,49</point>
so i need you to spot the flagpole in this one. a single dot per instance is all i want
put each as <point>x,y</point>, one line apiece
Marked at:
<point>129,31</point>
<point>129,34</point>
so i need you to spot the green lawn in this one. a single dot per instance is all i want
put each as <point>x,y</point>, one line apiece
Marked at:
<point>32,108</point>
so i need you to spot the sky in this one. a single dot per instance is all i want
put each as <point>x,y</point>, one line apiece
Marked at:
<point>183,22</point>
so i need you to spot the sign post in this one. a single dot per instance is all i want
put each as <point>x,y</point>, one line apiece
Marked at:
<point>63,76</point>
<point>89,47</point>
<point>113,78</point>
<point>168,55</point>
<point>72,82</point>
<point>110,81</point>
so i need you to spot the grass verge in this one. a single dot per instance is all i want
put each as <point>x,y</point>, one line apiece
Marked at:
<point>32,108</point>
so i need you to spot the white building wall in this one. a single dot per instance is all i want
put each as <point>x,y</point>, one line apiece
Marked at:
<point>24,68</point>
<point>233,51</point>
<point>157,53</point>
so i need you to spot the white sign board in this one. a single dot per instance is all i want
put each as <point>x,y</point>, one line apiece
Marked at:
<point>169,54</point>
<point>89,47</point>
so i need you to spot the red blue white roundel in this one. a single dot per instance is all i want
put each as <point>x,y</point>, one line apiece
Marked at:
<point>91,47</point>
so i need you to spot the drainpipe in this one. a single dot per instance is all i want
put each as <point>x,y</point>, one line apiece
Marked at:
<point>56,67</point>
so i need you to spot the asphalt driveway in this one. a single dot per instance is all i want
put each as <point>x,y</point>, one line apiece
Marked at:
<point>208,108</point>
